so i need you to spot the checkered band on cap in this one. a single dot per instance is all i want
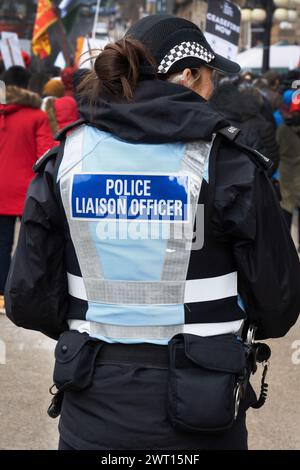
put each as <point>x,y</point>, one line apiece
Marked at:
<point>185,49</point>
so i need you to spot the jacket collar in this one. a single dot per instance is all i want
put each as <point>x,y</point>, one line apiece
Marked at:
<point>22,97</point>
<point>160,112</point>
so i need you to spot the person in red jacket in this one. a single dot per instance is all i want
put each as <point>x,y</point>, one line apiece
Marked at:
<point>66,111</point>
<point>67,78</point>
<point>25,135</point>
<point>60,107</point>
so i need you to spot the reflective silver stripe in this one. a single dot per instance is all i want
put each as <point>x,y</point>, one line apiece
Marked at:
<point>135,292</point>
<point>83,244</point>
<point>213,288</point>
<point>72,159</point>
<point>178,251</point>
<point>195,156</point>
<point>126,292</point>
<point>157,292</point>
<point>119,332</point>
<point>135,332</point>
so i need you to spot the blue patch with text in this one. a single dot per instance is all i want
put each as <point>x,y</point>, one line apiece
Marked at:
<point>141,197</point>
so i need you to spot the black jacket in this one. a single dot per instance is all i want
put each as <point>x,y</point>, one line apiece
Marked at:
<point>245,215</point>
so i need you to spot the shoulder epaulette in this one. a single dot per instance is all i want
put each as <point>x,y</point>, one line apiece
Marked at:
<point>231,133</point>
<point>40,164</point>
<point>63,132</point>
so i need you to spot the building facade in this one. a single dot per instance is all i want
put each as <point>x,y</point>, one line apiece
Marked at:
<point>17,17</point>
<point>193,10</point>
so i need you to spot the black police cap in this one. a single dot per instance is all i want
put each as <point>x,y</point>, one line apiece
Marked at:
<point>177,43</point>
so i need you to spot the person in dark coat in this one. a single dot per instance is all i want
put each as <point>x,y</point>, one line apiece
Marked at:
<point>288,137</point>
<point>243,109</point>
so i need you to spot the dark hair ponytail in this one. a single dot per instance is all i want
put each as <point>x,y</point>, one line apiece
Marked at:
<point>116,70</point>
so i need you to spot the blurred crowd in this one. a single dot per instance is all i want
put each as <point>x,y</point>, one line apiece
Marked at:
<point>37,106</point>
<point>266,108</point>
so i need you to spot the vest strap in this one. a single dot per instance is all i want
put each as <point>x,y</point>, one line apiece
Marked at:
<point>119,333</point>
<point>153,292</point>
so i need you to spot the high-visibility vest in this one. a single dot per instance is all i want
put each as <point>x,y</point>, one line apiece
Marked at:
<point>142,262</point>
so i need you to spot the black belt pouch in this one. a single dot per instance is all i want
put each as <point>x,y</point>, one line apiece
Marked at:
<point>75,356</point>
<point>204,377</point>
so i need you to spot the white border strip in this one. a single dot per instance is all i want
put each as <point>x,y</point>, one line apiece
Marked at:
<point>212,329</point>
<point>214,288</point>
<point>77,287</point>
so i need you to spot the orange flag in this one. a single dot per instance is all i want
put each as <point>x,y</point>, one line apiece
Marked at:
<point>45,17</point>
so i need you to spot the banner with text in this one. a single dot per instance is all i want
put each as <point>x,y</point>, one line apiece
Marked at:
<point>11,50</point>
<point>223,25</point>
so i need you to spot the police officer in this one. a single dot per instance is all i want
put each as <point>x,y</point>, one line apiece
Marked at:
<point>111,250</point>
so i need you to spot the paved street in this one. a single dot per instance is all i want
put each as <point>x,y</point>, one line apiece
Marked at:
<point>26,377</point>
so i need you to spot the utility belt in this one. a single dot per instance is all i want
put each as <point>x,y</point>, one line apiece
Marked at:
<point>207,376</point>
